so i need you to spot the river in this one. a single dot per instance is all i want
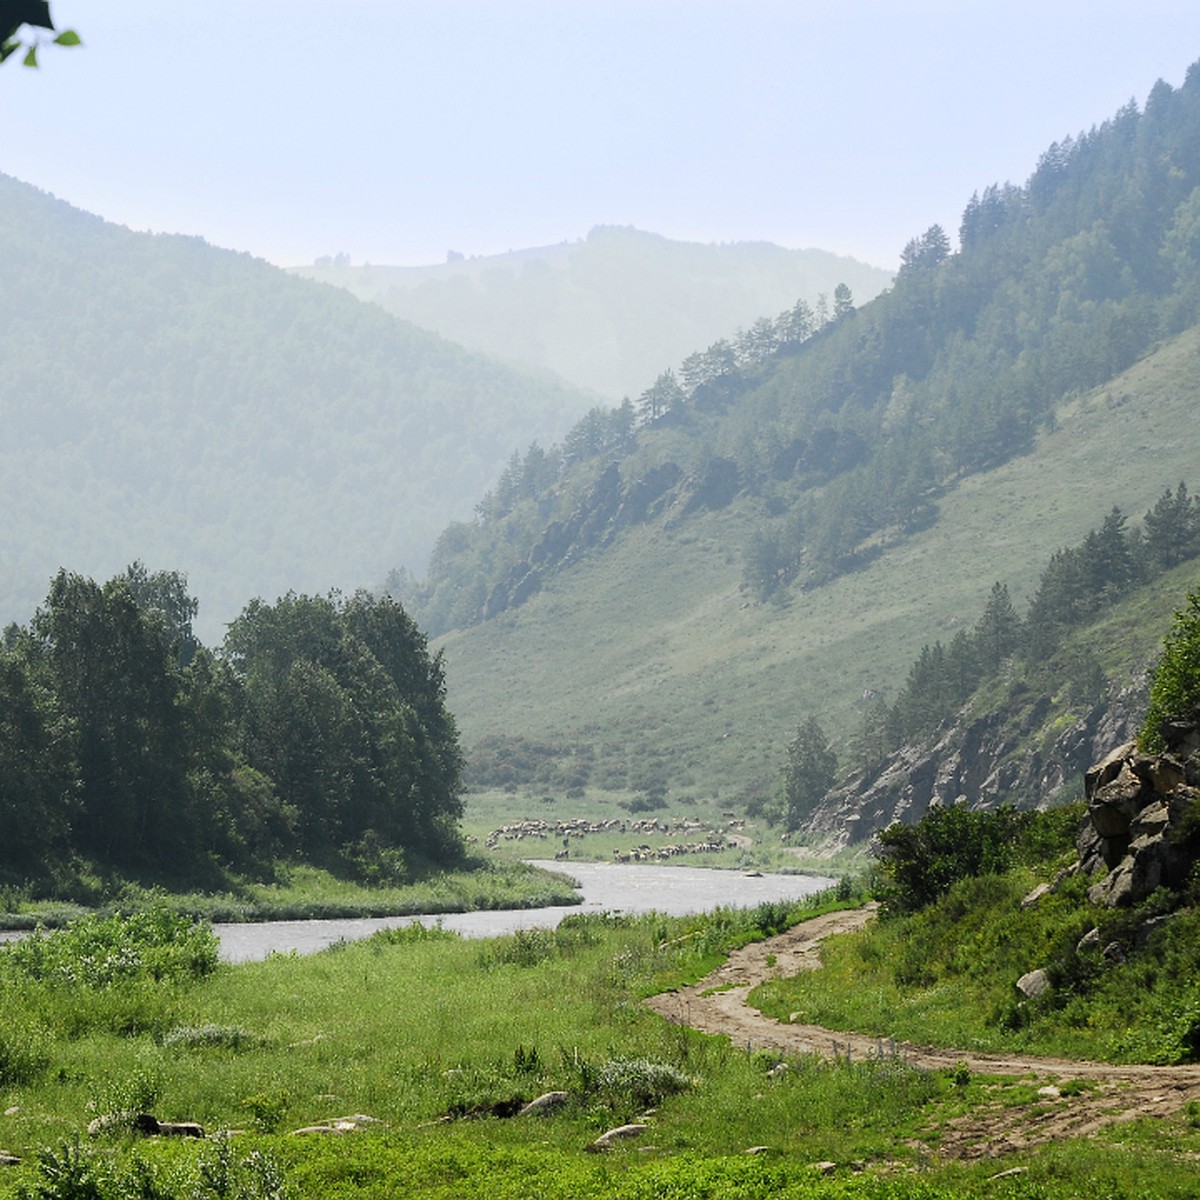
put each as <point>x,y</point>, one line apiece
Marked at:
<point>604,887</point>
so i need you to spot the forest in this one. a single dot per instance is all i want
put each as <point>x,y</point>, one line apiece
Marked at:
<point>317,733</point>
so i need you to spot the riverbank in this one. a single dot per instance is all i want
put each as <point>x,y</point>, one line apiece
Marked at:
<point>308,893</point>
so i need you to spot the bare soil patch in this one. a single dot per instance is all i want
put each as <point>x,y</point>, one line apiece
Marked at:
<point>717,1004</point>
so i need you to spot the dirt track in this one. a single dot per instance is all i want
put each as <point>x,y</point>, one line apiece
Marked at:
<point>1121,1093</point>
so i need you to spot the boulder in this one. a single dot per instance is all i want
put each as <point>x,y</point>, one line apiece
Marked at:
<point>151,1126</point>
<point>548,1102</point>
<point>622,1133</point>
<point>1141,809</point>
<point>1113,805</point>
<point>1033,983</point>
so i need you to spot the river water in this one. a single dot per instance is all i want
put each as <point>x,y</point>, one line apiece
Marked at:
<point>604,887</point>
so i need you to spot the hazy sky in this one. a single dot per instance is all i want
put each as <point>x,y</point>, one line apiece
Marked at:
<point>396,130</point>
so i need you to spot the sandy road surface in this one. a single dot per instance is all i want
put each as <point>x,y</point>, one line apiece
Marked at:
<point>1121,1093</point>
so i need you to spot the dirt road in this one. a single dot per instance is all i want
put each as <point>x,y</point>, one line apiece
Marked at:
<point>717,1004</point>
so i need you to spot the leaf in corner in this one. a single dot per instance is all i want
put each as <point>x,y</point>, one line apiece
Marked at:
<point>68,37</point>
<point>26,12</point>
<point>30,59</point>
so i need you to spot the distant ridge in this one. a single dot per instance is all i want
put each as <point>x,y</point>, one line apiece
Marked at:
<point>609,312</point>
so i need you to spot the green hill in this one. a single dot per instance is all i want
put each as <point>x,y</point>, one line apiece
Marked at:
<point>653,654</point>
<point>198,409</point>
<point>609,312</point>
<point>783,537</point>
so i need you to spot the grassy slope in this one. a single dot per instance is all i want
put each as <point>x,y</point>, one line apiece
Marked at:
<point>652,649</point>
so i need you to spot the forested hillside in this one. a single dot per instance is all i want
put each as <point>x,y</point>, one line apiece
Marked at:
<point>775,532</point>
<point>607,312</point>
<point>200,409</point>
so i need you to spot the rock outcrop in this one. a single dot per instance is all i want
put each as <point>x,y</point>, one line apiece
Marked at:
<point>1143,818</point>
<point>981,761</point>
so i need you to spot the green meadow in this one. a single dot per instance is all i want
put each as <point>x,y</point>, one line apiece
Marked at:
<point>439,1040</point>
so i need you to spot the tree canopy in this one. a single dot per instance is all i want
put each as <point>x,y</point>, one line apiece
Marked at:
<point>318,731</point>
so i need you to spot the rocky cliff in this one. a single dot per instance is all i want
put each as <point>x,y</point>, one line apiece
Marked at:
<point>1026,753</point>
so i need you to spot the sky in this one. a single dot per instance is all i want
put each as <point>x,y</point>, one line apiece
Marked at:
<point>395,131</point>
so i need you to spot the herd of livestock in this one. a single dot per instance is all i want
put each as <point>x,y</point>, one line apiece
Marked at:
<point>705,840</point>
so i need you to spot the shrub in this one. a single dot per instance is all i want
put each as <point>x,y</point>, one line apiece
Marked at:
<point>631,1083</point>
<point>207,1037</point>
<point>921,862</point>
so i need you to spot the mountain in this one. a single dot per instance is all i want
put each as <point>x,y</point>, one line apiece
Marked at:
<point>657,616</point>
<point>201,410</point>
<point>609,312</point>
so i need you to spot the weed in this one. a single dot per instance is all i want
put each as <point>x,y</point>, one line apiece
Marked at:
<point>24,1051</point>
<point>205,1037</point>
<point>633,1083</point>
<point>525,948</point>
<point>267,1109</point>
<point>71,1172</point>
<point>527,1060</point>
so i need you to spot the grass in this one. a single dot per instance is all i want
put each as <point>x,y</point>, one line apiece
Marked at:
<point>309,892</point>
<point>433,1035</point>
<point>946,976</point>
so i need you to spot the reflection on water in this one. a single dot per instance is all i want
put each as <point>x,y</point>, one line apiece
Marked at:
<point>612,887</point>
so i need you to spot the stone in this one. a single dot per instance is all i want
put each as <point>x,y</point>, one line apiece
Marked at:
<point>1108,768</point>
<point>1033,983</point>
<point>151,1126</point>
<point>1145,931</point>
<point>1113,806</point>
<point>1166,774</point>
<point>1034,896</point>
<point>1114,953</point>
<point>548,1102</point>
<point>622,1133</point>
<point>1089,943</point>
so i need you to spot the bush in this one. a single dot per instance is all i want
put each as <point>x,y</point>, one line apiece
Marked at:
<point>632,1083</point>
<point>207,1037</point>
<point>921,862</point>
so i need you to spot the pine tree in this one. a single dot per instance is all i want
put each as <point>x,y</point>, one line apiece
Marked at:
<point>809,774</point>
